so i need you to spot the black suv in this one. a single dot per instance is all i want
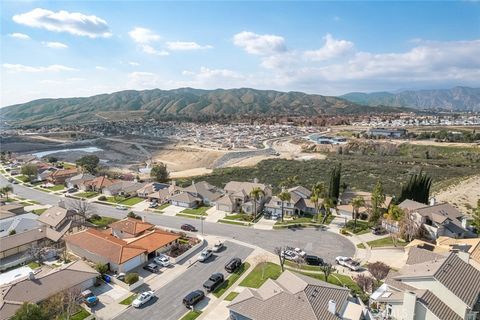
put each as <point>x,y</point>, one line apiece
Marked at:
<point>193,297</point>
<point>214,281</point>
<point>313,260</point>
<point>188,227</point>
<point>233,264</point>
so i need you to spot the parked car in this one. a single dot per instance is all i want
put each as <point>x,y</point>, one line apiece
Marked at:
<point>379,230</point>
<point>162,260</point>
<point>300,252</point>
<point>193,297</point>
<point>353,265</point>
<point>188,227</point>
<point>218,246</point>
<point>143,298</point>
<point>341,260</point>
<point>121,207</point>
<point>204,255</point>
<point>72,190</point>
<point>213,282</point>
<point>152,267</point>
<point>313,260</point>
<point>289,255</point>
<point>89,298</point>
<point>153,205</point>
<point>233,265</point>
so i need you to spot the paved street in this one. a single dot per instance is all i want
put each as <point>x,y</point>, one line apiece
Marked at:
<point>168,302</point>
<point>325,244</point>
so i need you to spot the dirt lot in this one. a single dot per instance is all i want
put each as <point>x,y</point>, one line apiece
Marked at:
<point>464,194</point>
<point>181,158</point>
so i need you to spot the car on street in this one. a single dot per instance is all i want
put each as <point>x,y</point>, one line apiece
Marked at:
<point>188,227</point>
<point>193,297</point>
<point>313,260</point>
<point>152,267</point>
<point>299,252</point>
<point>289,255</point>
<point>121,207</point>
<point>341,260</point>
<point>142,298</point>
<point>72,190</point>
<point>348,262</point>
<point>204,255</point>
<point>213,282</point>
<point>162,260</point>
<point>218,246</point>
<point>153,205</point>
<point>233,265</point>
<point>89,298</point>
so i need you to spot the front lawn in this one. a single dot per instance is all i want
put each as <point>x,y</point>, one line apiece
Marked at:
<point>190,216</point>
<point>102,222</point>
<point>239,217</point>
<point>385,242</point>
<point>191,315</point>
<point>39,211</point>
<point>22,178</point>
<point>232,295</point>
<point>303,266</point>
<point>132,201</point>
<point>80,315</point>
<point>128,301</point>
<point>254,279</point>
<point>362,227</point>
<point>197,211</point>
<point>297,220</point>
<point>57,187</point>
<point>337,279</point>
<point>34,265</point>
<point>163,206</point>
<point>87,194</point>
<point>231,280</point>
<point>235,222</point>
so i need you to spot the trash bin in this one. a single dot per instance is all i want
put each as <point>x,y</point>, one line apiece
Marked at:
<point>107,278</point>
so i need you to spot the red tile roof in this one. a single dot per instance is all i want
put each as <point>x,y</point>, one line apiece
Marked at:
<point>155,240</point>
<point>131,226</point>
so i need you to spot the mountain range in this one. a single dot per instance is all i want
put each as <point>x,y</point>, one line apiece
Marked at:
<point>183,103</point>
<point>455,99</point>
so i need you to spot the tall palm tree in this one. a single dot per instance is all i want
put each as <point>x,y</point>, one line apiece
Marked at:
<point>357,202</point>
<point>6,190</point>
<point>284,196</point>
<point>314,198</point>
<point>255,194</point>
<point>318,192</point>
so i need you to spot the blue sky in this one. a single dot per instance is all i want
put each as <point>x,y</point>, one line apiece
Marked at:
<point>74,48</point>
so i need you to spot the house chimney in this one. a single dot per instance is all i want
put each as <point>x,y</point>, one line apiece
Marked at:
<point>332,306</point>
<point>409,302</point>
<point>174,183</point>
<point>31,275</point>
<point>255,180</point>
<point>433,201</point>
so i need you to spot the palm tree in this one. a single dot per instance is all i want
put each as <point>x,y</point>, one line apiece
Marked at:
<point>7,189</point>
<point>284,196</point>
<point>255,195</point>
<point>314,198</point>
<point>357,202</point>
<point>318,192</point>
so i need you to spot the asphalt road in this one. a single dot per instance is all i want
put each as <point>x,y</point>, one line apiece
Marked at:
<point>167,305</point>
<point>325,244</point>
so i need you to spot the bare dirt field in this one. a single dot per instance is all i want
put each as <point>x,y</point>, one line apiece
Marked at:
<point>464,194</point>
<point>181,158</point>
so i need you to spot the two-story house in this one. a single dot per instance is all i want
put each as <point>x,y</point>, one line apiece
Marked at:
<point>238,197</point>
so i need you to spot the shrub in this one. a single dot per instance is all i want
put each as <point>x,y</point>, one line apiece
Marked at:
<point>102,198</point>
<point>344,231</point>
<point>101,268</point>
<point>131,278</point>
<point>95,217</point>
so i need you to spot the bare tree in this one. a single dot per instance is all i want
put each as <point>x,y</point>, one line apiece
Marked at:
<point>262,261</point>
<point>364,282</point>
<point>82,207</point>
<point>327,270</point>
<point>378,270</point>
<point>278,251</point>
<point>63,304</point>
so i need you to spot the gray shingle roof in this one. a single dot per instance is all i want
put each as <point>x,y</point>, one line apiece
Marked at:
<point>417,255</point>
<point>437,307</point>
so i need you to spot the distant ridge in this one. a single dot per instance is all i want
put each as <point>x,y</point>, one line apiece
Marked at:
<point>455,99</point>
<point>184,103</point>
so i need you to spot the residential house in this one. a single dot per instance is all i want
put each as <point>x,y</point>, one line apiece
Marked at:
<point>18,224</point>
<point>14,248</point>
<point>78,180</point>
<point>205,191</point>
<point>150,188</point>
<point>60,176</point>
<point>10,209</point>
<point>24,158</point>
<point>61,221</point>
<point>97,184</point>
<point>345,207</point>
<point>439,219</point>
<point>431,286</point>
<point>295,296</point>
<point>237,197</point>
<point>123,188</point>
<point>37,287</point>
<point>299,203</point>
<point>185,200</point>
<point>155,242</point>
<point>130,228</point>
<point>163,195</point>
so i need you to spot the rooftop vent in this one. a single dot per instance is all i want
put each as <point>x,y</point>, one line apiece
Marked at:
<point>332,306</point>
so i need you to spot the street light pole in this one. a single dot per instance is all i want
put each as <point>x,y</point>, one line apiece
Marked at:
<point>201,218</point>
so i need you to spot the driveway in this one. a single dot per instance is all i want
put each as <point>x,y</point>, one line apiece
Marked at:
<point>264,224</point>
<point>108,297</point>
<point>213,214</point>
<point>167,305</point>
<point>172,210</point>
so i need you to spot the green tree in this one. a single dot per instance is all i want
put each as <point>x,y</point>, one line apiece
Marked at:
<point>30,311</point>
<point>52,159</point>
<point>318,193</point>
<point>378,200</point>
<point>159,172</point>
<point>476,217</point>
<point>327,270</point>
<point>256,194</point>
<point>6,190</point>
<point>29,170</point>
<point>357,203</point>
<point>417,188</point>
<point>131,278</point>
<point>101,268</point>
<point>88,163</point>
<point>334,185</point>
<point>289,182</point>
<point>284,196</point>
<point>328,204</point>
<point>395,213</point>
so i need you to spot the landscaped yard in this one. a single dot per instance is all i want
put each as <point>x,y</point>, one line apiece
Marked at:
<point>302,266</point>
<point>39,211</point>
<point>190,216</point>
<point>87,194</point>
<point>197,211</point>
<point>128,301</point>
<point>80,315</point>
<point>102,222</point>
<point>362,227</point>
<point>192,315</point>
<point>34,265</point>
<point>260,274</point>
<point>22,178</point>
<point>235,222</point>
<point>121,200</point>
<point>385,242</point>
<point>232,295</point>
<point>163,206</point>
<point>239,217</point>
<point>298,220</point>
<point>57,187</point>
<point>231,280</point>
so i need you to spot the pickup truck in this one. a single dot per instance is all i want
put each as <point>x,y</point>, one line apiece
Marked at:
<point>213,282</point>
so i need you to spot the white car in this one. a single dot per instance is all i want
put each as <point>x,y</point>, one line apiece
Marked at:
<point>162,260</point>
<point>342,260</point>
<point>121,207</point>
<point>300,252</point>
<point>217,246</point>
<point>289,255</point>
<point>353,265</point>
<point>142,298</point>
<point>205,255</point>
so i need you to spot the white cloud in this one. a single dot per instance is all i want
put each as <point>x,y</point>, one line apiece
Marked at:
<point>21,36</point>
<point>143,80</point>
<point>186,45</point>
<point>143,35</point>
<point>133,63</point>
<point>266,44</point>
<point>332,48</point>
<point>151,50</point>
<point>23,68</point>
<point>100,68</point>
<point>54,45</point>
<point>63,21</point>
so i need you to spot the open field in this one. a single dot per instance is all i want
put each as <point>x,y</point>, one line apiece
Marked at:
<point>463,194</point>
